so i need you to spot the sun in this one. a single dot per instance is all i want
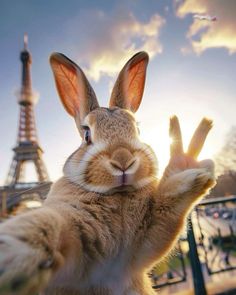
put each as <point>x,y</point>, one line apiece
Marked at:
<point>160,143</point>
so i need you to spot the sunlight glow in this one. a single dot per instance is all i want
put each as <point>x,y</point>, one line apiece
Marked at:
<point>33,204</point>
<point>160,143</point>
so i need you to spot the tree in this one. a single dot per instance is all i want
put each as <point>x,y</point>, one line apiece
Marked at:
<point>226,158</point>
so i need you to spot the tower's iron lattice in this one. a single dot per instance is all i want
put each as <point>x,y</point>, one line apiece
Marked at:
<point>27,149</point>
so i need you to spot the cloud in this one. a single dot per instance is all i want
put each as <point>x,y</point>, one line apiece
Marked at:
<point>103,41</point>
<point>206,34</point>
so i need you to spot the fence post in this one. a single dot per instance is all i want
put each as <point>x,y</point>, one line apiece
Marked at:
<point>198,279</point>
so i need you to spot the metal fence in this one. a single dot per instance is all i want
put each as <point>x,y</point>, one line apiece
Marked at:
<point>211,239</point>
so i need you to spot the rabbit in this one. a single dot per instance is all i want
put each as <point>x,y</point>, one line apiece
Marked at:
<point>108,220</point>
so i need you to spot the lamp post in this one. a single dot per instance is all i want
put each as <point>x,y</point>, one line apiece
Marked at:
<point>198,279</point>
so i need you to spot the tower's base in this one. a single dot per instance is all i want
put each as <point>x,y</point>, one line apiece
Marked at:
<point>13,196</point>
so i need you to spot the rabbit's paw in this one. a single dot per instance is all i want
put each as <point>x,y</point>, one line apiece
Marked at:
<point>204,180</point>
<point>191,181</point>
<point>194,181</point>
<point>23,269</point>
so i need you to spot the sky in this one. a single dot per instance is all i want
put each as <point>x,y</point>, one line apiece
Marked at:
<point>191,72</point>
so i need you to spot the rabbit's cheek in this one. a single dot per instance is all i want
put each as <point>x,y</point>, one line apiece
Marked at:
<point>98,175</point>
<point>145,173</point>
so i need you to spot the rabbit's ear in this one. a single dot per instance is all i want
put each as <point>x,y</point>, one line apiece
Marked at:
<point>73,87</point>
<point>128,90</point>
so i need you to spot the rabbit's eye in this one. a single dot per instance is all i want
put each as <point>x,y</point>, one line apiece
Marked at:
<point>87,136</point>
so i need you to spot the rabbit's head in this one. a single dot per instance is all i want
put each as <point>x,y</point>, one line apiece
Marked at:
<point>111,157</point>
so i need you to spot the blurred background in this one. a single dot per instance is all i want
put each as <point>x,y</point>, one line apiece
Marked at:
<point>192,70</point>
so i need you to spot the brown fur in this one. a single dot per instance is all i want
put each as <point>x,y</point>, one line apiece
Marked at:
<point>97,234</point>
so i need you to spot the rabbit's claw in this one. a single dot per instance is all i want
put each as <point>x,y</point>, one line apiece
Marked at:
<point>23,269</point>
<point>203,181</point>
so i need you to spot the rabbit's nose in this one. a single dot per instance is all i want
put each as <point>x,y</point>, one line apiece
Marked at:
<point>122,159</point>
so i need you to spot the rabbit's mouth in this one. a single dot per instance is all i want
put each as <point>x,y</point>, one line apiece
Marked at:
<point>124,179</point>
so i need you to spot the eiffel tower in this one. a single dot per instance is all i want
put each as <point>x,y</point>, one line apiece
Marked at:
<point>27,149</point>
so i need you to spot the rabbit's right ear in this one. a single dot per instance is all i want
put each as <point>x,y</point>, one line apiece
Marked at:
<point>73,87</point>
<point>128,90</point>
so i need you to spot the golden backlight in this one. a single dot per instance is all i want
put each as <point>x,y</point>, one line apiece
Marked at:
<point>160,143</point>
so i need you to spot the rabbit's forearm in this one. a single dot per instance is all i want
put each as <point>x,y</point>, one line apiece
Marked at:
<point>167,224</point>
<point>173,202</point>
<point>40,229</point>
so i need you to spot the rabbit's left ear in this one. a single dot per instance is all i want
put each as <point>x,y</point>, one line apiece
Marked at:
<point>128,90</point>
<point>75,92</point>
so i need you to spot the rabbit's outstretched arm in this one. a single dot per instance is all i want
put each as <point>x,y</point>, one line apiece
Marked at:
<point>183,184</point>
<point>175,199</point>
<point>32,248</point>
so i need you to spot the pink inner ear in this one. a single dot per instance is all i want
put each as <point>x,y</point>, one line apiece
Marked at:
<point>66,78</point>
<point>134,85</point>
<point>128,89</point>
